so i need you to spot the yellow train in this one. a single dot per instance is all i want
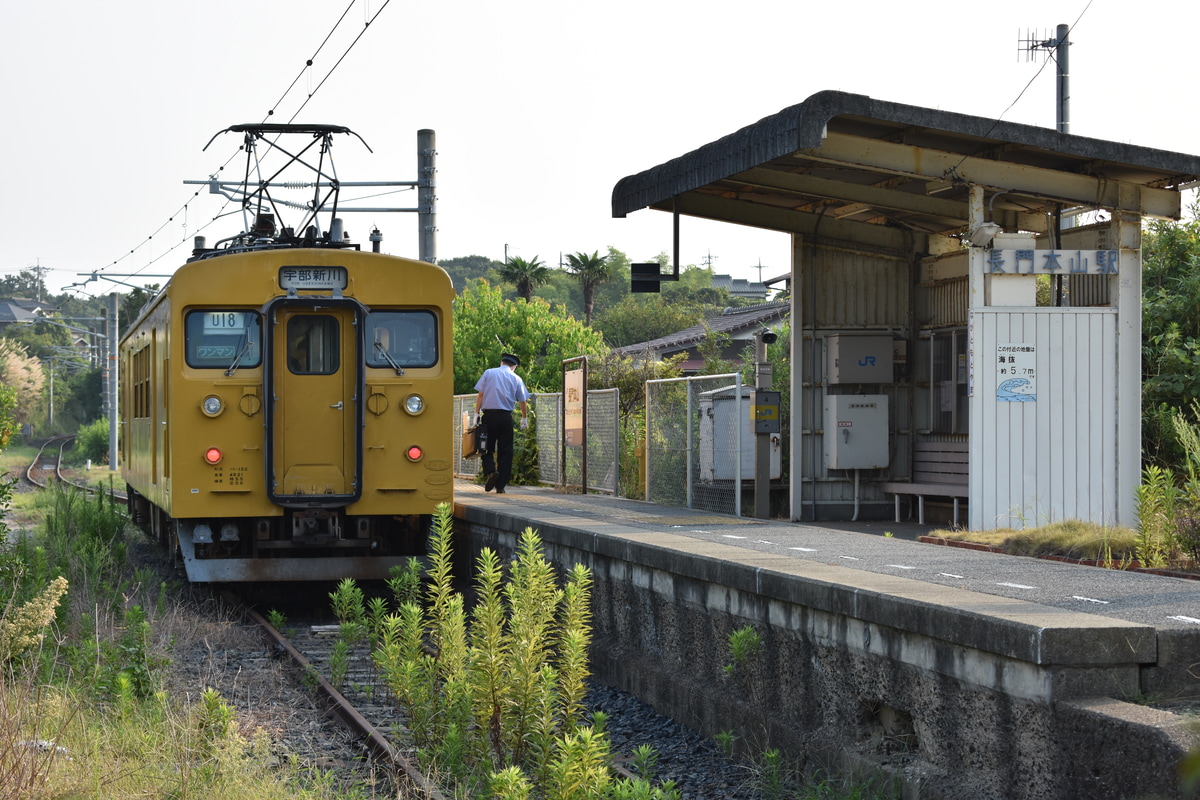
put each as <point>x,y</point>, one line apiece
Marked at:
<point>286,409</point>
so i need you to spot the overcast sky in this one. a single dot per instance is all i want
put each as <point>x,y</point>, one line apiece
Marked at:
<point>539,107</point>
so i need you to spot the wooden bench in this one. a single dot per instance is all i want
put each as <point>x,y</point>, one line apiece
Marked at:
<point>939,469</point>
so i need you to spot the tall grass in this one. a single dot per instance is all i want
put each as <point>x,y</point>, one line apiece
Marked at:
<point>86,644</point>
<point>493,699</point>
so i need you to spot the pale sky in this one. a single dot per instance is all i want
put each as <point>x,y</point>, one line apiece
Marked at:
<point>539,107</point>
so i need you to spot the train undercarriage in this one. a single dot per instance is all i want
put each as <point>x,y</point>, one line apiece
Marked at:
<point>300,545</point>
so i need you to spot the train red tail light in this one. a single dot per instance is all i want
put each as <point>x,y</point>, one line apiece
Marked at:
<point>414,453</point>
<point>213,455</point>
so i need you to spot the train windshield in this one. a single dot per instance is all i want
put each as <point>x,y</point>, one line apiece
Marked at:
<point>223,339</point>
<point>401,339</point>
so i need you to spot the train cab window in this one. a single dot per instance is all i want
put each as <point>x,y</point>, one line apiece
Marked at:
<point>402,339</point>
<point>223,339</point>
<point>312,345</point>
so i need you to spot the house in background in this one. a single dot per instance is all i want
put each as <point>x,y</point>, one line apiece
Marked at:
<point>741,288</point>
<point>15,309</point>
<point>739,323</point>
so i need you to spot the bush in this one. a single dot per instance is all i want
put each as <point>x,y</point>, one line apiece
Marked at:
<point>91,443</point>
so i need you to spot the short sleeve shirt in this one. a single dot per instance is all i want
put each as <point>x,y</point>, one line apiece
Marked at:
<point>501,389</point>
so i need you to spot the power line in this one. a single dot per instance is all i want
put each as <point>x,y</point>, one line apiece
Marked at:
<point>952,172</point>
<point>270,112</point>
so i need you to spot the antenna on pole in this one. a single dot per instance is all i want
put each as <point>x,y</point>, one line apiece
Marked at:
<point>1058,44</point>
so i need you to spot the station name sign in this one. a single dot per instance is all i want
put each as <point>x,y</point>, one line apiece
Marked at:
<point>1052,262</point>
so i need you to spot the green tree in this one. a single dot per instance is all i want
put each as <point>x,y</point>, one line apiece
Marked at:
<point>467,268</point>
<point>78,398</point>
<point>642,318</point>
<point>486,325</point>
<point>617,288</point>
<point>40,338</point>
<point>524,275</point>
<point>130,305</point>
<point>26,284</point>
<point>1170,335</point>
<point>592,271</point>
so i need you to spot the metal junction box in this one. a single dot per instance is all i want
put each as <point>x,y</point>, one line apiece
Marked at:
<point>720,416</point>
<point>856,431</point>
<point>852,358</point>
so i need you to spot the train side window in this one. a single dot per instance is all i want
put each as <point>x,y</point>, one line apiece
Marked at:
<point>223,338</point>
<point>312,345</point>
<point>407,338</point>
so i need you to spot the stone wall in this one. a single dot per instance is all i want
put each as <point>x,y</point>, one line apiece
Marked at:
<point>962,695</point>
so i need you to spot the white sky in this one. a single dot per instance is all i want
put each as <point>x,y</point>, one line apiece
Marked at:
<point>539,106</point>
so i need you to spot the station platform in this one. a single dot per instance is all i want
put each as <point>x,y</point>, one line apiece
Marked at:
<point>1166,603</point>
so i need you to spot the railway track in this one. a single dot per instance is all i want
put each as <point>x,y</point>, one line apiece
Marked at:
<point>353,694</point>
<point>47,467</point>
<point>309,654</point>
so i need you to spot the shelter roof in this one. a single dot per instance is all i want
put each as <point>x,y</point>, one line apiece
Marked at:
<point>871,171</point>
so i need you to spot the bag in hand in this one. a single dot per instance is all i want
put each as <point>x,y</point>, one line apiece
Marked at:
<point>474,439</point>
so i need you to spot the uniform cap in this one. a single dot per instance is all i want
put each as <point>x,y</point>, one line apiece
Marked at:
<point>509,358</point>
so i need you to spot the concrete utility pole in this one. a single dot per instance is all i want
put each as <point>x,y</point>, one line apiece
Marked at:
<point>426,195</point>
<point>113,422</point>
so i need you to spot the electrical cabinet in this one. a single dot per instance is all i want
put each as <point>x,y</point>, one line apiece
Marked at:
<point>856,431</point>
<point>854,358</point>
<point>719,421</point>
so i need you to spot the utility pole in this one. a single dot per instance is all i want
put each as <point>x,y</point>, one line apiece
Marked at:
<point>426,195</point>
<point>1060,44</point>
<point>113,303</point>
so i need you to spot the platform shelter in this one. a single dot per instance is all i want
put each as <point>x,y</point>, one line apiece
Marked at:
<point>966,303</point>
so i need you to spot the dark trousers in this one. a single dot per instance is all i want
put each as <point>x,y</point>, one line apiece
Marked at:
<point>499,456</point>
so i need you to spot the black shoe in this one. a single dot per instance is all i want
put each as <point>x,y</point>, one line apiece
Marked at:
<point>490,483</point>
<point>500,491</point>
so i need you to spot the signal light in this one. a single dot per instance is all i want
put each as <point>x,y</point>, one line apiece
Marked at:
<point>213,455</point>
<point>414,453</point>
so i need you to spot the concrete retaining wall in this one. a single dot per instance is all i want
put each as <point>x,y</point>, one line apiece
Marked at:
<point>963,695</point>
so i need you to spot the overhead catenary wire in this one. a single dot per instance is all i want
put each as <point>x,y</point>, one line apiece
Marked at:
<point>270,112</point>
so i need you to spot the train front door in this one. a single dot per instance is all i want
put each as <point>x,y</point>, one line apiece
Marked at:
<point>314,423</point>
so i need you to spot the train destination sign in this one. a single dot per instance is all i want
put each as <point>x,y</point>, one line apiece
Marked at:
<point>312,278</point>
<point>1052,262</point>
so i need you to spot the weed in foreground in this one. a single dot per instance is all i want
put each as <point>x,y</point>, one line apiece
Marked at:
<point>495,704</point>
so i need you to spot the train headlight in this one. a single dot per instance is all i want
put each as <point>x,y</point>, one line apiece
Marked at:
<point>212,405</point>
<point>414,453</point>
<point>213,455</point>
<point>414,404</point>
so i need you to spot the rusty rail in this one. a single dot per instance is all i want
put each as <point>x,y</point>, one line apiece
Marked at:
<point>342,711</point>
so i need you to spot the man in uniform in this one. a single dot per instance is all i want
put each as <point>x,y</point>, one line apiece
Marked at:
<point>499,390</point>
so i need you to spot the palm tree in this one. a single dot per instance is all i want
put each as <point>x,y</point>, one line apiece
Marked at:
<point>592,271</point>
<point>525,275</point>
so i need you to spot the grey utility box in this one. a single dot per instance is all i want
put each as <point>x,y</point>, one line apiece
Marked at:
<point>856,358</point>
<point>856,431</point>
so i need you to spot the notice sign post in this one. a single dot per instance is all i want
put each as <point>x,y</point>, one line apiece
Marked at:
<point>574,410</point>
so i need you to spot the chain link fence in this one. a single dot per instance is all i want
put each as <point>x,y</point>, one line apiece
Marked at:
<point>697,453</point>
<point>603,442</point>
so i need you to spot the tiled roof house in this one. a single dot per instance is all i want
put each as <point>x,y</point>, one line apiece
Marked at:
<point>739,323</point>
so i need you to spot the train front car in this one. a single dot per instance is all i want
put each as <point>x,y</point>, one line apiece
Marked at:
<point>287,409</point>
<point>292,413</point>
